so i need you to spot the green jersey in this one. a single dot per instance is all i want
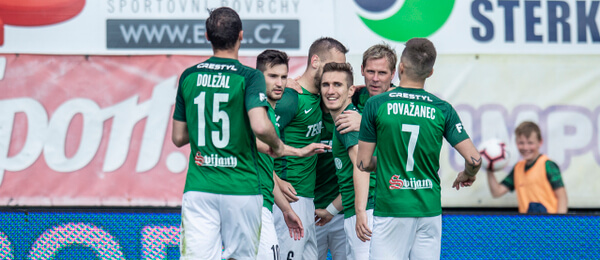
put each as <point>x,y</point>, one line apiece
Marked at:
<point>265,171</point>
<point>408,127</point>
<point>360,97</point>
<point>345,169</point>
<point>211,96</point>
<point>299,118</point>
<point>326,189</point>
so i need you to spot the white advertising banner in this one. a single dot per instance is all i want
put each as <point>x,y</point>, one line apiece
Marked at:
<point>177,26</point>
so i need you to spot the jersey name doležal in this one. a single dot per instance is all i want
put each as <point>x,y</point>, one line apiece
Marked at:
<point>408,127</point>
<point>211,96</point>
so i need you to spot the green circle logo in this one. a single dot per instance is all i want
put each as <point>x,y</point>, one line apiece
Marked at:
<point>414,18</point>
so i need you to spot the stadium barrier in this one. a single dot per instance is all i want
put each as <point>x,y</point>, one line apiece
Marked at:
<point>153,233</point>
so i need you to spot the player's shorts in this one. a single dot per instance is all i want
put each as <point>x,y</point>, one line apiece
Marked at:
<point>211,221</point>
<point>356,249</point>
<point>268,247</point>
<point>406,238</point>
<point>305,248</point>
<point>332,236</point>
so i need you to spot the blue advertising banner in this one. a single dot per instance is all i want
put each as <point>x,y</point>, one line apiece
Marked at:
<point>154,234</point>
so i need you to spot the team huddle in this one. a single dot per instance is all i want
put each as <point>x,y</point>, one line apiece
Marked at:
<point>293,168</point>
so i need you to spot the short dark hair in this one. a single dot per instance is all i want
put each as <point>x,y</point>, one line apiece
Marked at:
<point>341,67</point>
<point>321,47</point>
<point>418,58</point>
<point>528,127</point>
<point>223,27</point>
<point>379,51</point>
<point>271,58</point>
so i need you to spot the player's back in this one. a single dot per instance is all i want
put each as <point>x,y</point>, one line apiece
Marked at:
<point>216,95</point>
<point>410,127</point>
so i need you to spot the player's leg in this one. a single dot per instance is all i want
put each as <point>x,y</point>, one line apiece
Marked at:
<point>322,233</point>
<point>240,228</point>
<point>310,248</point>
<point>200,226</point>
<point>356,249</point>
<point>428,239</point>
<point>337,237</point>
<point>392,237</point>
<point>268,247</point>
<point>289,248</point>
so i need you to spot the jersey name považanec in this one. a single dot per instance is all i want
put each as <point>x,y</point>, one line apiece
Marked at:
<point>408,127</point>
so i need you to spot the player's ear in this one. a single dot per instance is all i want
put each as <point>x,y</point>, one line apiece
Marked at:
<point>430,73</point>
<point>206,36</point>
<point>351,90</point>
<point>362,70</point>
<point>241,35</point>
<point>315,61</point>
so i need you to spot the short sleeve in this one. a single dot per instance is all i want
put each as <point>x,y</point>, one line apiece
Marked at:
<point>553,173</point>
<point>286,108</point>
<point>509,180</point>
<point>179,113</point>
<point>368,127</point>
<point>255,90</point>
<point>454,131</point>
<point>348,139</point>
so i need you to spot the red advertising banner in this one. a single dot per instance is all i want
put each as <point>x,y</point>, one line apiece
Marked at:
<point>93,130</point>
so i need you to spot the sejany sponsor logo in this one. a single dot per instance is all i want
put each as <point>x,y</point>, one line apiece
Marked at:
<point>397,183</point>
<point>215,160</point>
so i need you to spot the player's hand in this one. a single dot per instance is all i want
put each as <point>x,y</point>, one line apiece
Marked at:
<point>312,149</point>
<point>463,180</point>
<point>358,87</point>
<point>288,191</point>
<point>278,151</point>
<point>293,84</point>
<point>348,121</point>
<point>363,232</point>
<point>294,224</point>
<point>322,217</point>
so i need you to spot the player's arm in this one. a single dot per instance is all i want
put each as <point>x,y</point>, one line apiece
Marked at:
<point>263,130</point>
<point>497,189</point>
<point>361,190</point>
<point>348,121</point>
<point>179,131</point>
<point>472,158</point>
<point>286,189</point>
<point>291,219</point>
<point>555,179</point>
<point>323,216</point>
<point>561,196</point>
<point>365,159</point>
<point>179,134</point>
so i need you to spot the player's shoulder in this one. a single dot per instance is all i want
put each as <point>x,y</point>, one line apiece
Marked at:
<point>288,101</point>
<point>288,95</point>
